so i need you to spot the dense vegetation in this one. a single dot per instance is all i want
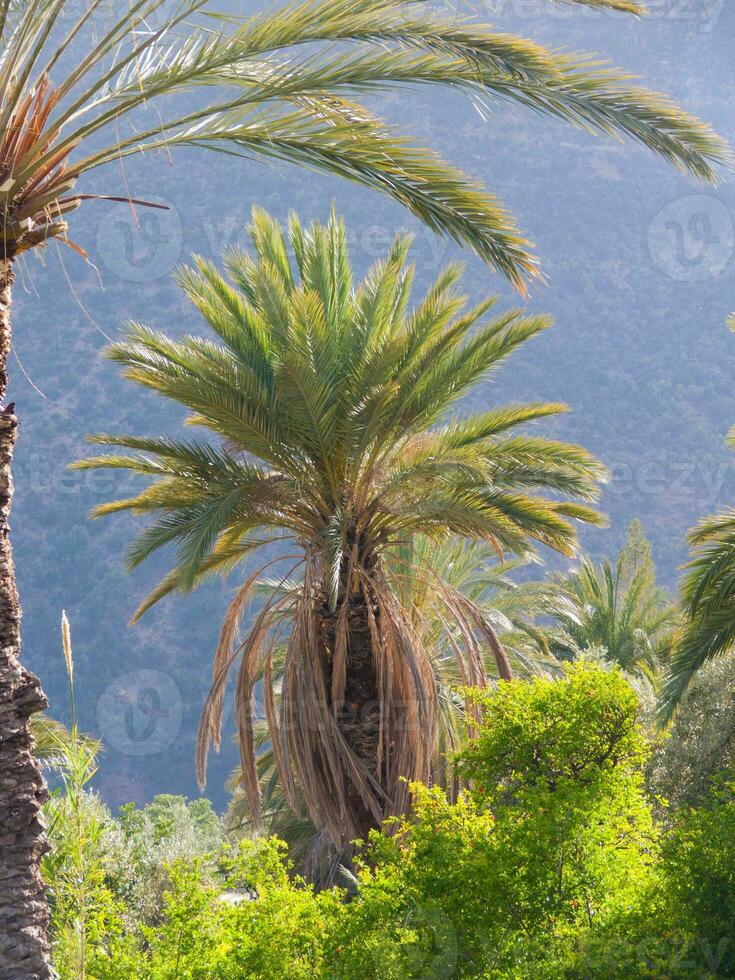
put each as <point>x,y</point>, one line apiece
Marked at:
<point>643,360</point>
<point>550,863</point>
<point>568,835</point>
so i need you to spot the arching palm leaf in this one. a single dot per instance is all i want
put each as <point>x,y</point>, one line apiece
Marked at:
<point>707,599</point>
<point>274,84</point>
<point>708,602</point>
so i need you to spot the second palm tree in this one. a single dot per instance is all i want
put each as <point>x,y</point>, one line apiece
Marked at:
<point>328,404</point>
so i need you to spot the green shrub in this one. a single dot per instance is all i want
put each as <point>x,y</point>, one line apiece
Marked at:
<point>700,742</point>
<point>553,840</point>
<point>699,869</point>
<point>210,932</point>
<point>143,844</point>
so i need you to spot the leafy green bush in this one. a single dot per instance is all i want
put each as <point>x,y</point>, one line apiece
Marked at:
<point>680,923</point>
<point>259,922</point>
<point>554,838</point>
<point>85,912</point>
<point>699,868</point>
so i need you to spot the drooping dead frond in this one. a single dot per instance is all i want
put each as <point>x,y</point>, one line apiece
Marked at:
<point>228,651</point>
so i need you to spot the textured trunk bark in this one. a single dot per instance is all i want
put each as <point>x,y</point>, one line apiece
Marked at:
<point>24,951</point>
<point>359,718</point>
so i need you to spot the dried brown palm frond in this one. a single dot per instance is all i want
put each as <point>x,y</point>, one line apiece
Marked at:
<point>35,211</point>
<point>406,696</point>
<point>351,774</point>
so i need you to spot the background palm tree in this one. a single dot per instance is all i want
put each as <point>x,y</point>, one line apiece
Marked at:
<point>275,84</point>
<point>324,399</point>
<point>616,610</point>
<point>512,605</point>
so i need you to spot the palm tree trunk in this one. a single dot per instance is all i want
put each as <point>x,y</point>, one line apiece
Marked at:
<point>360,716</point>
<point>24,951</point>
<point>358,713</point>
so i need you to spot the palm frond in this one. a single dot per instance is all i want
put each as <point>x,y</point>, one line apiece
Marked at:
<point>275,84</point>
<point>708,601</point>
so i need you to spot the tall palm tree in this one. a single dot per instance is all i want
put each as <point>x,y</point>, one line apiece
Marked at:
<point>278,84</point>
<point>616,609</point>
<point>325,400</point>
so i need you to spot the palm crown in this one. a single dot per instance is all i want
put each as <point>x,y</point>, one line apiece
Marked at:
<point>326,401</point>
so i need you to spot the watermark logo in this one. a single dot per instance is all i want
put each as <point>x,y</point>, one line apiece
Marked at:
<point>704,15</point>
<point>139,714</point>
<point>140,244</point>
<point>701,15</point>
<point>433,950</point>
<point>692,239</point>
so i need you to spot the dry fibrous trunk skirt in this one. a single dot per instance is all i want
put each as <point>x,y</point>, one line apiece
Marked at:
<point>357,720</point>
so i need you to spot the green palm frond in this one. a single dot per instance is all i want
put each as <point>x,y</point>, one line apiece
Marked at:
<point>708,603</point>
<point>510,605</point>
<point>624,6</point>
<point>281,83</point>
<point>50,737</point>
<point>707,600</point>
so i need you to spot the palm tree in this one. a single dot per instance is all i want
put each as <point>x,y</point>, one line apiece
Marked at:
<point>615,609</point>
<point>324,400</point>
<point>277,84</point>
